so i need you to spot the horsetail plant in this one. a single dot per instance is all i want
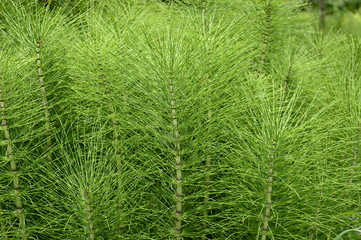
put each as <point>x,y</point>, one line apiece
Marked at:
<point>37,35</point>
<point>202,120</point>
<point>168,58</point>
<point>85,184</point>
<point>346,93</point>
<point>11,157</point>
<point>177,155</point>
<point>276,23</point>
<point>44,96</point>
<point>20,161</point>
<point>27,121</point>
<point>99,88</point>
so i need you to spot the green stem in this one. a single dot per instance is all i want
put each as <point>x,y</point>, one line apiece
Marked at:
<point>89,212</point>
<point>44,94</point>
<point>266,37</point>
<point>13,167</point>
<point>178,160</point>
<point>115,129</point>
<point>267,213</point>
<point>111,110</point>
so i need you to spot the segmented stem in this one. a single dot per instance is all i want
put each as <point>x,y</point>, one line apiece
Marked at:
<point>266,37</point>
<point>89,212</point>
<point>44,94</point>
<point>112,111</point>
<point>267,213</point>
<point>13,167</point>
<point>178,159</point>
<point>115,127</point>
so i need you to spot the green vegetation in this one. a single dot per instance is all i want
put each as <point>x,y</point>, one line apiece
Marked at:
<point>177,120</point>
<point>341,15</point>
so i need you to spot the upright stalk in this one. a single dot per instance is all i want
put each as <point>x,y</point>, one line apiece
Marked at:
<point>111,109</point>
<point>44,94</point>
<point>112,112</point>
<point>178,159</point>
<point>13,167</point>
<point>267,34</point>
<point>115,126</point>
<point>89,212</point>
<point>267,213</point>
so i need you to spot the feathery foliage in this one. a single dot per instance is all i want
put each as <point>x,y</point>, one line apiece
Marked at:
<point>177,120</point>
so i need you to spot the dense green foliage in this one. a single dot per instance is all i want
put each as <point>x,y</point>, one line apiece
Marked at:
<point>180,120</point>
<point>334,5</point>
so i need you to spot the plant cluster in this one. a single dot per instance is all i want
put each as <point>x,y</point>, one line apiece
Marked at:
<point>146,120</point>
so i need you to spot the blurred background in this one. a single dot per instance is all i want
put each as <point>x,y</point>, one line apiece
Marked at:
<point>342,15</point>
